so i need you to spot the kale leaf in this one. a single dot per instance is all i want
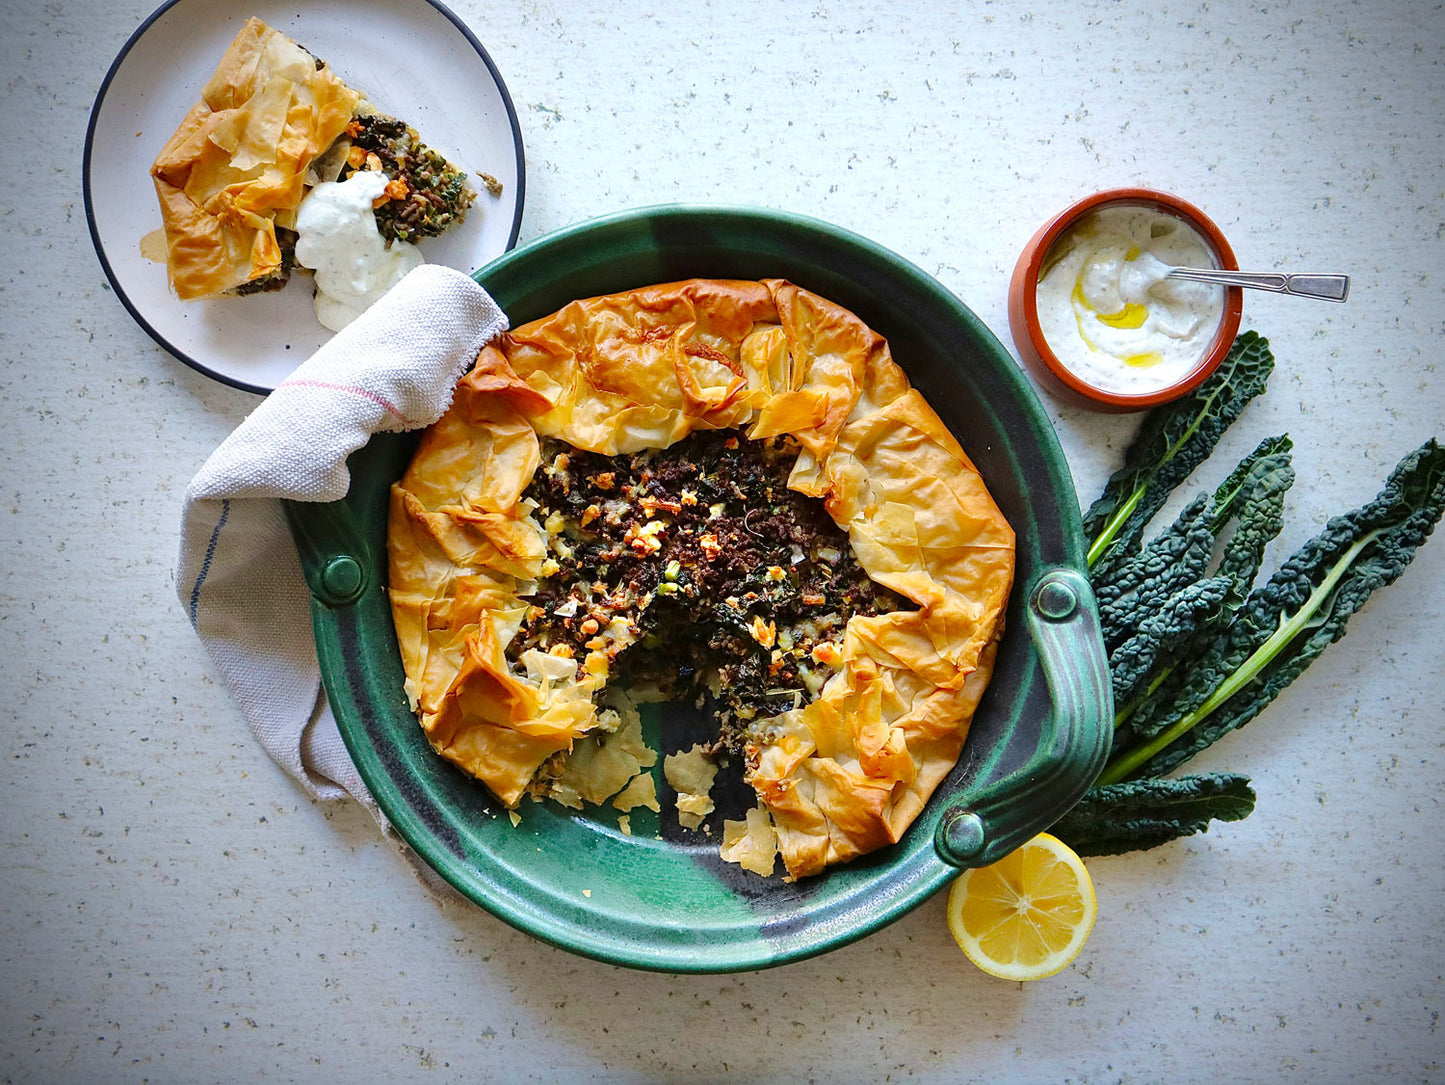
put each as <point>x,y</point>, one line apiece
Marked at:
<point>1155,609</point>
<point>1141,814</point>
<point>1173,440</point>
<point>1166,630</point>
<point>1286,624</point>
<point>1195,650</point>
<point>1253,497</point>
<point>1144,583</point>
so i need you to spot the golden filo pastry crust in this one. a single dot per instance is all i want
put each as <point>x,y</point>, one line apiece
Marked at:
<point>839,776</point>
<point>240,158</point>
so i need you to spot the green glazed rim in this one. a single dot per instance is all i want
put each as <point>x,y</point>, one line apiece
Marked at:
<point>661,898</point>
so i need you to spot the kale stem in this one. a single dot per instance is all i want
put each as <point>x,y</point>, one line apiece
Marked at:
<point>1121,514</point>
<point>1126,763</point>
<point>1133,705</point>
<point>1124,511</point>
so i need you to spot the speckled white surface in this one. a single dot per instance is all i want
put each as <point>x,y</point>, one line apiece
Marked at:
<point>171,907</point>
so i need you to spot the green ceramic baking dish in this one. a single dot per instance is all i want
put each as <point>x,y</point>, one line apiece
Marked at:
<point>660,898</point>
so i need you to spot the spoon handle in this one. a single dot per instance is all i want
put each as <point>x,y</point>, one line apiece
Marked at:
<point>1325,287</point>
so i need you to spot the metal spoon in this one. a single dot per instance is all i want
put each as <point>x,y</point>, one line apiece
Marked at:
<point>1324,287</point>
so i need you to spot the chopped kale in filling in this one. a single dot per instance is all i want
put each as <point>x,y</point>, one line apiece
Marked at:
<point>695,567</point>
<point>427,193</point>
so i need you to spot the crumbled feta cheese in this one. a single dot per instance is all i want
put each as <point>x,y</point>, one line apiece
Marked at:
<point>645,540</point>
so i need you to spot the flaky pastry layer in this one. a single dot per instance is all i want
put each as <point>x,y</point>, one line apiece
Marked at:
<point>840,776</point>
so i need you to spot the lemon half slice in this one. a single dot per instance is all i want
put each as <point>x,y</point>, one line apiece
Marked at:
<point>1026,916</point>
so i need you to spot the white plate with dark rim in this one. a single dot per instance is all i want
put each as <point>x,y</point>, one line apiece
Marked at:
<point>413,59</point>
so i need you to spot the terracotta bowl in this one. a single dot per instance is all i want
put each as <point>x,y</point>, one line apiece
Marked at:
<point>1023,310</point>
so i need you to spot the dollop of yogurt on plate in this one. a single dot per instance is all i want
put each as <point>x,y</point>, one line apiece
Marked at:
<point>338,240</point>
<point>1108,311</point>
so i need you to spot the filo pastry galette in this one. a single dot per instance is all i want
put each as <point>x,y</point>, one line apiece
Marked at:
<point>715,490</point>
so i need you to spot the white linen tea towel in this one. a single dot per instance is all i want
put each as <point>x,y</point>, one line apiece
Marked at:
<point>239,577</point>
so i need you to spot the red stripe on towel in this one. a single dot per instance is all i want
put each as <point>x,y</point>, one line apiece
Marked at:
<point>365,393</point>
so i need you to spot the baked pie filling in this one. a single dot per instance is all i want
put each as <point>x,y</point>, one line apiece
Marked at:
<point>695,568</point>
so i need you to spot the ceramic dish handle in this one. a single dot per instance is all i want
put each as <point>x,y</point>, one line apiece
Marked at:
<point>993,817</point>
<point>334,556</point>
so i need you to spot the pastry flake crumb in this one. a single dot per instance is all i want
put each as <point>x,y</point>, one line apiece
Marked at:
<point>691,775</point>
<point>601,766</point>
<point>752,844</point>
<point>641,791</point>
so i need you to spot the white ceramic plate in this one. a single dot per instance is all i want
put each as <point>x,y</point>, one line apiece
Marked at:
<point>413,59</point>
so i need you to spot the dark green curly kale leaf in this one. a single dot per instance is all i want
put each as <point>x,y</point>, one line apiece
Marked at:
<point>1286,624</point>
<point>1143,584</point>
<point>1253,497</point>
<point>1164,631</point>
<point>1142,814</point>
<point>1172,441</point>
<point>1159,606</point>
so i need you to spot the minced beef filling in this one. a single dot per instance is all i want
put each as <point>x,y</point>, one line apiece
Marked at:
<point>696,568</point>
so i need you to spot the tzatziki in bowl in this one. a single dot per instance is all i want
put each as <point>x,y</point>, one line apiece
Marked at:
<point>1095,315</point>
